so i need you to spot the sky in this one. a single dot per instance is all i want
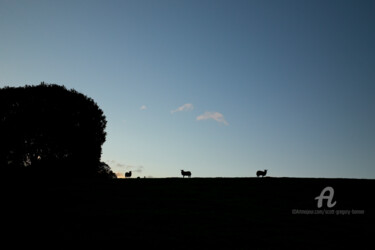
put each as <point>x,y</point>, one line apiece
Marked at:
<point>222,88</point>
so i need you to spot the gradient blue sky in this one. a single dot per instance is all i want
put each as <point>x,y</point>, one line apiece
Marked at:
<point>221,88</point>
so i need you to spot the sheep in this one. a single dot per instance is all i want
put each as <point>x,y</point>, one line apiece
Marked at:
<point>261,173</point>
<point>187,173</point>
<point>128,174</point>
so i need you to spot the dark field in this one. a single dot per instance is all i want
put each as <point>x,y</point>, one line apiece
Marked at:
<point>230,213</point>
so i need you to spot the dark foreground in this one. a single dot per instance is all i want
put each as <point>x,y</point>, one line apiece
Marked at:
<point>231,213</point>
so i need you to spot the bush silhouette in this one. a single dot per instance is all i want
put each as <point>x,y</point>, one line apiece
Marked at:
<point>49,130</point>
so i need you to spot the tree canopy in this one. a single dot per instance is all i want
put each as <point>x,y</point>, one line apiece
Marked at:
<point>48,129</point>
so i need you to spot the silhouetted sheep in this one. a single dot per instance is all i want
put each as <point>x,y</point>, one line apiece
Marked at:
<point>261,173</point>
<point>187,173</point>
<point>128,174</point>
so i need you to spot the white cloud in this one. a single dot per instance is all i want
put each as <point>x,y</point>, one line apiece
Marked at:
<point>185,107</point>
<point>213,115</point>
<point>143,107</point>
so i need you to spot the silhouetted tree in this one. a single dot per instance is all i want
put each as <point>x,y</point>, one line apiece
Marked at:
<point>47,129</point>
<point>105,171</point>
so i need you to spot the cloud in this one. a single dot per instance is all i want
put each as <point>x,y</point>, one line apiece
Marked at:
<point>143,107</point>
<point>185,107</point>
<point>213,115</point>
<point>136,169</point>
<point>118,165</point>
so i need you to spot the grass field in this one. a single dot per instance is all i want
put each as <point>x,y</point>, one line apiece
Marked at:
<point>231,213</point>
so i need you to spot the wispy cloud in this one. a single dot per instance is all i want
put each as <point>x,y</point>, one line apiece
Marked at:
<point>136,169</point>
<point>214,116</point>
<point>118,165</point>
<point>185,107</point>
<point>143,107</point>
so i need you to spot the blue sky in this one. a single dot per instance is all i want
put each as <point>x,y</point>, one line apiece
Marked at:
<point>220,88</point>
